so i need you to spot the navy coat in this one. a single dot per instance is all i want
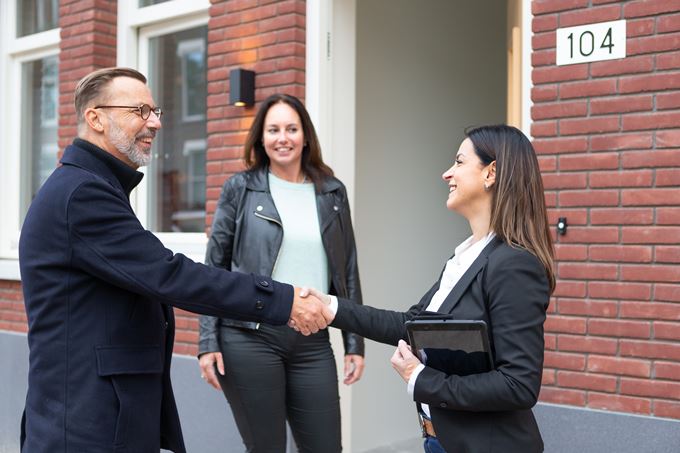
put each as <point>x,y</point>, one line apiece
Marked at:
<point>98,290</point>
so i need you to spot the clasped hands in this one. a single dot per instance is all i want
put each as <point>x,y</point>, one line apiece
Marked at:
<point>310,312</point>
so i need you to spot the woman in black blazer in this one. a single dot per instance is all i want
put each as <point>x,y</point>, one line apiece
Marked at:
<point>503,275</point>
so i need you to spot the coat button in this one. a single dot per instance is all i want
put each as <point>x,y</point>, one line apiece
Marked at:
<point>259,208</point>
<point>166,325</point>
<point>259,305</point>
<point>335,208</point>
<point>264,283</point>
<point>443,405</point>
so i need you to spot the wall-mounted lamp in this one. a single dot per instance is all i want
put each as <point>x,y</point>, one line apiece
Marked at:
<point>562,226</point>
<point>241,87</point>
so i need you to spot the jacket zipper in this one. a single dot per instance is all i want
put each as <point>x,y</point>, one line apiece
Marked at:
<point>278,252</point>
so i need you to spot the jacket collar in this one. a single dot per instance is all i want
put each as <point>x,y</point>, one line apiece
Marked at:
<point>258,180</point>
<point>86,155</point>
<point>469,275</point>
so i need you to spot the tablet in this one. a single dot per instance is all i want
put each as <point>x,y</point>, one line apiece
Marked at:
<point>458,347</point>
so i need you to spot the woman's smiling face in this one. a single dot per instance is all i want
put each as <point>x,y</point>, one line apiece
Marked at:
<point>282,137</point>
<point>466,180</point>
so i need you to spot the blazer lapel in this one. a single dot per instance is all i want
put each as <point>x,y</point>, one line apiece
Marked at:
<point>462,285</point>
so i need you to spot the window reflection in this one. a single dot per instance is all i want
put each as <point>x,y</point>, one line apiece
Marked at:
<point>39,80</point>
<point>177,77</point>
<point>151,2</point>
<point>35,16</point>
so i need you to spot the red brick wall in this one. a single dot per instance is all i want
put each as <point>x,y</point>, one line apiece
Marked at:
<point>267,37</point>
<point>88,42</point>
<point>12,313</point>
<point>608,139</point>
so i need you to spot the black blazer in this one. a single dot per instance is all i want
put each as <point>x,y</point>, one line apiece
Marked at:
<point>99,291</point>
<point>488,412</point>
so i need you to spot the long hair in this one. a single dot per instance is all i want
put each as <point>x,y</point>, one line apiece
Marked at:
<point>256,157</point>
<point>518,213</point>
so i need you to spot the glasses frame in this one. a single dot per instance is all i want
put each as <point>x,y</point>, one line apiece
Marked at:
<point>139,109</point>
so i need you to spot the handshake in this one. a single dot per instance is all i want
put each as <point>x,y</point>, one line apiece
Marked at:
<point>310,312</point>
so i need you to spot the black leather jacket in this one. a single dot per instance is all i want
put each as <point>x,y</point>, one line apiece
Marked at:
<point>247,234</point>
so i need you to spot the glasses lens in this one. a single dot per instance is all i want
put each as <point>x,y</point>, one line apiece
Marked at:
<point>158,111</point>
<point>145,111</point>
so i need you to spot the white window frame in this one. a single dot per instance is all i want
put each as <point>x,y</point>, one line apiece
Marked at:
<point>136,26</point>
<point>14,52</point>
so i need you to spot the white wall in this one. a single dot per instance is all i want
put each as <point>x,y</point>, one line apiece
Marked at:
<point>425,71</point>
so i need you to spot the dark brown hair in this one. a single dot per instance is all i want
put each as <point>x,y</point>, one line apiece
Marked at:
<point>518,213</point>
<point>94,84</point>
<point>255,156</point>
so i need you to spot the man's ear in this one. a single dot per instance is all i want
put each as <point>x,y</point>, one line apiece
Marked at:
<point>94,120</point>
<point>490,178</point>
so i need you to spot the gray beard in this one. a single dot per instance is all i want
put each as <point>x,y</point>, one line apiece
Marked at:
<point>128,147</point>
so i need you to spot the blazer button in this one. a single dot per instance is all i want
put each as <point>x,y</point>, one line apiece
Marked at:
<point>443,405</point>
<point>259,208</point>
<point>259,305</point>
<point>166,325</point>
<point>335,208</point>
<point>264,283</point>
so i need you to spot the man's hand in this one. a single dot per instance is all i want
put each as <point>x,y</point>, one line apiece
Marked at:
<point>309,314</point>
<point>404,361</point>
<point>325,298</point>
<point>207,363</point>
<point>354,368</point>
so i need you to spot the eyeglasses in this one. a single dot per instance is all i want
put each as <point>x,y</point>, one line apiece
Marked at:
<point>143,110</point>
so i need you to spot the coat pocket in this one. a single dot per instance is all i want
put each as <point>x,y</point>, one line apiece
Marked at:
<point>113,360</point>
<point>135,373</point>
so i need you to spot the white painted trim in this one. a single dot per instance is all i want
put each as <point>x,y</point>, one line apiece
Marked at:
<point>9,270</point>
<point>318,95</point>
<point>193,245</point>
<point>343,94</point>
<point>329,96</point>
<point>32,44</point>
<point>136,26</point>
<point>527,84</point>
<point>163,12</point>
<point>13,53</point>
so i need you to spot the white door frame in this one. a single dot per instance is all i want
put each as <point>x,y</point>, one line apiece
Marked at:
<point>330,66</point>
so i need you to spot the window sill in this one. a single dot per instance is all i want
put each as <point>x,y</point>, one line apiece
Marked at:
<point>190,244</point>
<point>9,270</point>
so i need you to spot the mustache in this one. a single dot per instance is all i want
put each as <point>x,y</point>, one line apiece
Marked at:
<point>151,133</point>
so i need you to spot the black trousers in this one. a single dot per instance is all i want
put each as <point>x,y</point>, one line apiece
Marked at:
<point>273,374</point>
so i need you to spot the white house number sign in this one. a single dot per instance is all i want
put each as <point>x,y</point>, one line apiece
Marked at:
<point>592,42</point>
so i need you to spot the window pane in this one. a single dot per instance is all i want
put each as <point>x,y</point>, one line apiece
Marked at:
<point>38,125</point>
<point>177,77</point>
<point>34,16</point>
<point>151,2</point>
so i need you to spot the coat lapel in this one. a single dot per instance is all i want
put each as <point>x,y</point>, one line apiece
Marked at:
<point>469,275</point>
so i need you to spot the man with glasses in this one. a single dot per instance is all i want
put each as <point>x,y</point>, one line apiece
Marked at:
<point>99,289</point>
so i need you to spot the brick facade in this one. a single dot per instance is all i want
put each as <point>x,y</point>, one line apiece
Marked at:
<point>608,139</point>
<point>88,42</point>
<point>12,313</point>
<point>607,135</point>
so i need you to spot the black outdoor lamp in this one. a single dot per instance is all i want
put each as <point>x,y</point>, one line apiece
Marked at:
<point>241,87</point>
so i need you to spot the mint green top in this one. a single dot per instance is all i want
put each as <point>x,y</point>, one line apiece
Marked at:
<point>302,259</point>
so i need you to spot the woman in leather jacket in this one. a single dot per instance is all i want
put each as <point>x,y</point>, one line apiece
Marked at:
<point>285,217</point>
